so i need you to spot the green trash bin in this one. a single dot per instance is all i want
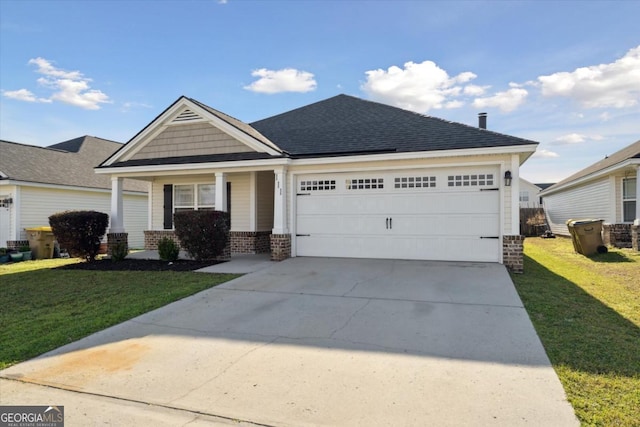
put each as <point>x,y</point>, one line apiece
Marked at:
<point>586,235</point>
<point>41,241</point>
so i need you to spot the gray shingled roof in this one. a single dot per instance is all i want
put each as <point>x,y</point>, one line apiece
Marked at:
<point>67,163</point>
<point>629,152</point>
<point>345,124</point>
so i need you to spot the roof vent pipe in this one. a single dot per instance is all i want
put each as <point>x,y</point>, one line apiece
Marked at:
<point>482,120</point>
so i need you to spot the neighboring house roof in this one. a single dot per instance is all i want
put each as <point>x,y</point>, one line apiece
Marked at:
<point>612,162</point>
<point>344,124</point>
<point>69,163</point>
<point>544,186</point>
<point>339,126</point>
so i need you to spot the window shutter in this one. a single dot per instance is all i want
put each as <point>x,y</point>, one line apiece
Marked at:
<point>168,207</point>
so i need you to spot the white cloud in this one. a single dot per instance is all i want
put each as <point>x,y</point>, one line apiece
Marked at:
<point>417,87</point>
<point>605,117</point>
<point>545,154</point>
<point>576,138</point>
<point>128,106</point>
<point>285,80</point>
<point>614,85</point>
<point>506,101</point>
<point>70,87</point>
<point>474,90</point>
<point>23,95</point>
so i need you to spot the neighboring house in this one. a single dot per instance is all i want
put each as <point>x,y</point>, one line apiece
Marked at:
<point>529,194</point>
<point>606,190</point>
<point>36,182</point>
<point>343,177</point>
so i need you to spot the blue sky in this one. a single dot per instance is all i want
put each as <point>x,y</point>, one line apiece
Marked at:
<point>565,73</point>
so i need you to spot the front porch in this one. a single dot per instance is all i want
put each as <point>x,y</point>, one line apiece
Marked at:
<point>255,200</point>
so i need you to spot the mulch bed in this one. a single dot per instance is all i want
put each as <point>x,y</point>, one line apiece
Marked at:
<point>139,265</point>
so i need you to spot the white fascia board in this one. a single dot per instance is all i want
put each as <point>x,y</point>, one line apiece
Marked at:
<point>416,155</point>
<point>68,187</point>
<point>595,175</point>
<point>124,171</point>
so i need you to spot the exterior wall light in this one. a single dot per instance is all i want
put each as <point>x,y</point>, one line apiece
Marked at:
<point>507,179</point>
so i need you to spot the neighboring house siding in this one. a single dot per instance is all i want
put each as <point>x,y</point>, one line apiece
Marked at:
<point>532,192</point>
<point>37,204</point>
<point>190,140</point>
<point>587,201</point>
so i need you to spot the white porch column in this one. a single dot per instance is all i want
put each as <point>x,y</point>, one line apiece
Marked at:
<point>221,192</point>
<point>636,221</point>
<point>253,201</point>
<point>280,202</point>
<point>515,194</point>
<point>117,211</point>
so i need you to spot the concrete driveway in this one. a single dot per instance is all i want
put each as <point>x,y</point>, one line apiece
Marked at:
<point>314,341</point>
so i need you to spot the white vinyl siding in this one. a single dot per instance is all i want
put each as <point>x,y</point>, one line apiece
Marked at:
<point>587,201</point>
<point>239,197</point>
<point>37,204</point>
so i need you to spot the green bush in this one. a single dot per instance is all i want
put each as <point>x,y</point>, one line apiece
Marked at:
<point>119,251</point>
<point>203,234</point>
<point>168,250</point>
<point>80,232</point>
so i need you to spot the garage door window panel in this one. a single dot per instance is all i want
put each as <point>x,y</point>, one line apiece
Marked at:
<point>365,184</point>
<point>414,182</point>
<point>471,180</point>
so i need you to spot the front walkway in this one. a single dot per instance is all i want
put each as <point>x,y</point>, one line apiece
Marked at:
<point>239,264</point>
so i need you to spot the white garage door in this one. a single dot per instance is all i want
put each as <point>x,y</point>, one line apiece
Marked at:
<point>450,215</point>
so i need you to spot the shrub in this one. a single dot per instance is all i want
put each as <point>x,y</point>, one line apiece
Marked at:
<point>168,250</point>
<point>80,232</point>
<point>203,234</point>
<point>119,251</point>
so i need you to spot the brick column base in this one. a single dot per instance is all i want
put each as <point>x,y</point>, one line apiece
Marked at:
<point>114,239</point>
<point>617,235</point>
<point>512,253</point>
<point>280,247</point>
<point>635,237</point>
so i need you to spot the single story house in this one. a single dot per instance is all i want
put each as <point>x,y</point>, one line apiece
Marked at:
<point>36,182</point>
<point>606,190</point>
<point>529,194</point>
<point>342,177</point>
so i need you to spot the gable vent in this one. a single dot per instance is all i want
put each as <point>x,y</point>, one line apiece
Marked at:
<point>186,116</point>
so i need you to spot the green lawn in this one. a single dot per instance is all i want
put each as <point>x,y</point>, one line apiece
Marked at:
<point>43,308</point>
<point>587,314</point>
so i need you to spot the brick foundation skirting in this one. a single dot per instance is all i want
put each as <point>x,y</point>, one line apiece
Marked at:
<point>153,237</point>
<point>512,253</point>
<point>280,247</point>
<point>250,242</point>
<point>114,239</point>
<point>617,235</point>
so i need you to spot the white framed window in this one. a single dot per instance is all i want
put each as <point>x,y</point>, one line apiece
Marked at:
<point>191,197</point>
<point>524,196</point>
<point>629,199</point>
